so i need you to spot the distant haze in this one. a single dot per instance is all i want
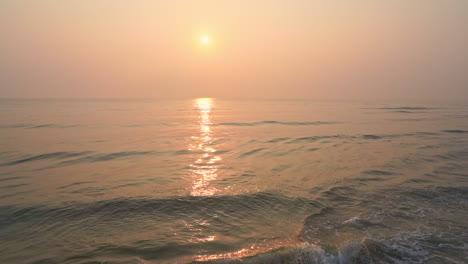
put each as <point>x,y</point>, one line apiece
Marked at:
<point>310,49</point>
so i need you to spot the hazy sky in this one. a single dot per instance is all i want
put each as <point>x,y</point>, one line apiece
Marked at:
<point>314,49</point>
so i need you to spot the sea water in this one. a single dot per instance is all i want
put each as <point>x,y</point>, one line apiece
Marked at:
<point>232,181</point>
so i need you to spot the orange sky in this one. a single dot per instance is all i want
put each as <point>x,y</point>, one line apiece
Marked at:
<point>321,49</point>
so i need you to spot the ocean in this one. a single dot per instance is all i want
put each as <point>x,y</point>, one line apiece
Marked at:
<point>232,181</point>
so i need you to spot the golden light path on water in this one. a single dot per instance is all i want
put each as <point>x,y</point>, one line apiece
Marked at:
<point>204,169</point>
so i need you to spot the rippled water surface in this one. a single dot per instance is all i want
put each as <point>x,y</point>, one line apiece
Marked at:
<point>208,181</point>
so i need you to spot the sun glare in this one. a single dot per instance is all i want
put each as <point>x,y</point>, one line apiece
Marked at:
<point>205,40</point>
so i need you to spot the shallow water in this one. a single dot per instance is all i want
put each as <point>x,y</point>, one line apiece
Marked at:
<point>206,180</point>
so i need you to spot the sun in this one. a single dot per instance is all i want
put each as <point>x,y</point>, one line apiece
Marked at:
<point>205,40</point>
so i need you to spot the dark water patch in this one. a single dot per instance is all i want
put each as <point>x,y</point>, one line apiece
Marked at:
<point>47,156</point>
<point>454,155</point>
<point>314,138</point>
<point>404,112</point>
<point>75,184</point>
<point>456,131</point>
<point>188,152</point>
<point>438,196</point>
<point>430,160</point>
<point>379,172</point>
<point>418,180</point>
<point>218,152</point>
<point>277,123</point>
<point>91,191</point>
<point>275,140</point>
<point>424,134</point>
<point>282,153</point>
<point>128,185</point>
<point>107,157</point>
<point>13,186</point>
<point>219,141</point>
<point>43,126</point>
<point>16,193</point>
<point>315,190</point>
<point>371,137</point>
<point>403,108</point>
<point>414,134</point>
<point>461,191</point>
<point>35,126</point>
<point>368,179</point>
<point>252,152</point>
<point>428,147</point>
<point>448,172</point>
<point>12,178</point>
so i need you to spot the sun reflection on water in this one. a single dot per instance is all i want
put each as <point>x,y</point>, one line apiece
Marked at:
<point>204,169</point>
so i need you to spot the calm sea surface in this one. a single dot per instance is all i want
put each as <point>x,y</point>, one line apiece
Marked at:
<point>213,181</point>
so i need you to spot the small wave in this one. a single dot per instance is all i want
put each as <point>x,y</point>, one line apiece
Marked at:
<point>368,179</point>
<point>151,125</point>
<point>252,152</point>
<point>403,108</point>
<point>300,254</point>
<point>275,140</point>
<point>371,137</point>
<point>365,251</point>
<point>401,249</point>
<point>415,134</point>
<point>367,136</point>
<point>277,123</point>
<point>316,138</point>
<point>13,186</point>
<point>456,131</point>
<point>440,194</point>
<point>35,126</point>
<point>164,252</point>
<point>107,157</point>
<point>11,178</point>
<point>157,207</point>
<point>47,156</point>
<point>72,158</point>
<point>76,184</point>
<point>379,172</point>
<point>402,111</point>
<point>408,119</point>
